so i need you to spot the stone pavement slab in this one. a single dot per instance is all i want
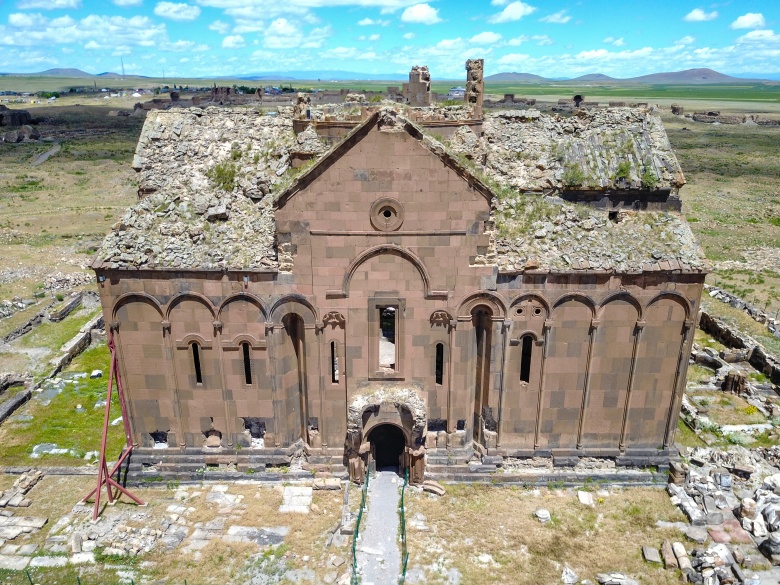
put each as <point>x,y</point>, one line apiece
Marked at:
<point>48,561</point>
<point>13,562</point>
<point>296,499</point>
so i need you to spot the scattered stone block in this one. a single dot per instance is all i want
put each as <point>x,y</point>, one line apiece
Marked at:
<point>651,554</point>
<point>586,498</point>
<point>433,487</point>
<point>543,515</point>
<point>670,560</point>
<point>326,483</point>
<point>696,534</point>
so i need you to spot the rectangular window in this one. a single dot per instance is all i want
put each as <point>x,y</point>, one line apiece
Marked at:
<point>385,338</point>
<point>525,359</point>
<point>440,363</point>
<point>334,363</point>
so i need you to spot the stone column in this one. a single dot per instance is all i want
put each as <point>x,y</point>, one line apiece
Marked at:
<point>475,87</point>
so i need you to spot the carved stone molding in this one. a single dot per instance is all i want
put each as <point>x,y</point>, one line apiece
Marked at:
<point>333,319</point>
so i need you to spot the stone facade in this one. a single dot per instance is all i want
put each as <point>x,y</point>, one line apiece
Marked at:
<point>390,321</point>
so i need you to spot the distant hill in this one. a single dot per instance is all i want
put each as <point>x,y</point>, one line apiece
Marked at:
<point>521,77</point>
<point>687,76</point>
<point>594,77</point>
<point>60,72</point>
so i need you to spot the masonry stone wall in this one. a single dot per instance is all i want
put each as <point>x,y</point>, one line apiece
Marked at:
<point>568,364</point>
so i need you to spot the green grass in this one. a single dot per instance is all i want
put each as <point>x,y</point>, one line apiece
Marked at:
<point>53,335</point>
<point>60,423</point>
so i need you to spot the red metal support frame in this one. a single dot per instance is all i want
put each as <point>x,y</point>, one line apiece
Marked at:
<point>105,477</point>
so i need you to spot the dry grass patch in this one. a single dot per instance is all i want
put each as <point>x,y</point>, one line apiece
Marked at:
<point>472,520</point>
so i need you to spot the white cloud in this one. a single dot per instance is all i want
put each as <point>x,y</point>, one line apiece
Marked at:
<point>68,50</point>
<point>759,36</point>
<point>409,36</point>
<point>219,27</point>
<point>176,11</point>
<point>49,4</point>
<point>698,15</point>
<point>282,34</point>
<point>486,38</point>
<point>613,41</point>
<point>449,43</point>
<point>513,11</point>
<point>106,32</point>
<point>371,22</point>
<point>498,2</point>
<point>686,40</point>
<point>184,60</point>
<point>127,2</point>
<point>421,14</point>
<point>749,20</point>
<point>317,37</point>
<point>559,17</point>
<point>541,40</point>
<point>233,42</point>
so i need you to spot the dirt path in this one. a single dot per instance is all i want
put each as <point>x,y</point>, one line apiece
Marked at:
<point>379,557</point>
<point>43,157</point>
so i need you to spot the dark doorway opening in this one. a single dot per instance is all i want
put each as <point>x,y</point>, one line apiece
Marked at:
<point>387,446</point>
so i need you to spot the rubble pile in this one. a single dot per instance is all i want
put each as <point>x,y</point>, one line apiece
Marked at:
<point>772,324</point>
<point>15,497</point>
<point>594,149</point>
<point>571,237</point>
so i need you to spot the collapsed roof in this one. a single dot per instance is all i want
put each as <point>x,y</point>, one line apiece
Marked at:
<point>210,178</point>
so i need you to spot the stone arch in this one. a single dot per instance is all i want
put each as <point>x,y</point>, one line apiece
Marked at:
<point>136,297</point>
<point>623,296</point>
<point>530,296</point>
<point>246,297</point>
<point>675,296</point>
<point>584,299</point>
<point>658,366</point>
<point>181,297</point>
<point>612,362</point>
<point>484,297</point>
<point>297,304</point>
<point>566,365</point>
<point>396,250</point>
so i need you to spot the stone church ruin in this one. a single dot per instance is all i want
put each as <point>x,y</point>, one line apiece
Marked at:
<point>402,285</point>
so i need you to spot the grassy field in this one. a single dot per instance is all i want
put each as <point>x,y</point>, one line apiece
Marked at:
<point>500,522</point>
<point>52,216</point>
<point>60,422</point>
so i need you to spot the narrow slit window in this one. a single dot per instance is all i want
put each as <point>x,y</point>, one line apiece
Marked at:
<point>439,363</point>
<point>387,341</point>
<point>525,360</point>
<point>334,363</point>
<point>196,363</point>
<point>247,363</point>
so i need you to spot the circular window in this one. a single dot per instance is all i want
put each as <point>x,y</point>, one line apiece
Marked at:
<point>519,311</point>
<point>537,311</point>
<point>387,214</point>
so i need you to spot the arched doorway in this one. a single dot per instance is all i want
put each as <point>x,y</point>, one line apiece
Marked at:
<point>387,446</point>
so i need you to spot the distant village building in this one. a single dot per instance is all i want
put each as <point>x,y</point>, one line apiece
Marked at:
<point>515,287</point>
<point>457,92</point>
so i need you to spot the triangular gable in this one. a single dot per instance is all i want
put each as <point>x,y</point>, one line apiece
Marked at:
<point>360,132</point>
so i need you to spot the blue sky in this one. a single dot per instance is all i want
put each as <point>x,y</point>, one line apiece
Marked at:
<point>554,39</point>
